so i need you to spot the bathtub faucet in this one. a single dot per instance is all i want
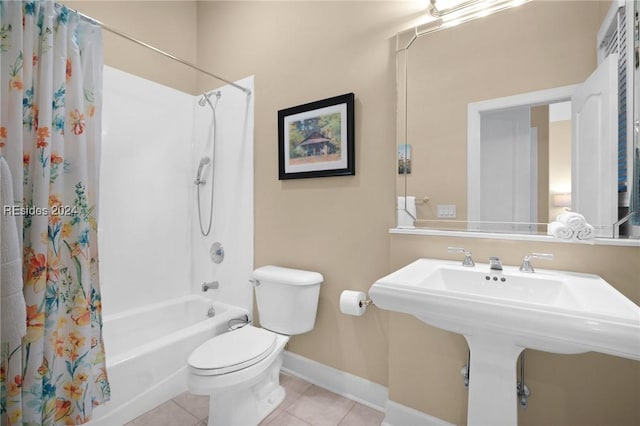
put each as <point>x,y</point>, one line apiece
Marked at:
<point>210,286</point>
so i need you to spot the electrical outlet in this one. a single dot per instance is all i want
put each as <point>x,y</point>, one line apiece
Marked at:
<point>447,211</point>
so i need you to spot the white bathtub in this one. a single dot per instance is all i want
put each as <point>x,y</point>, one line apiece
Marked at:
<point>147,351</point>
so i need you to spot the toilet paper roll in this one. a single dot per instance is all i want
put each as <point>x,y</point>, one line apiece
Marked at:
<point>352,302</point>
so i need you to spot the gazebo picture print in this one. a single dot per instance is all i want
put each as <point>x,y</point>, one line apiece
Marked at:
<point>317,139</point>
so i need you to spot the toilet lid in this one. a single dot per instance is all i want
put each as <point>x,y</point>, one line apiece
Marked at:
<point>233,351</point>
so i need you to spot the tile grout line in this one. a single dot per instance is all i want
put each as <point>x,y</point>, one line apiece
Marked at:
<point>198,421</point>
<point>286,409</point>
<point>187,410</point>
<point>347,413</point>
<point>292,415</point>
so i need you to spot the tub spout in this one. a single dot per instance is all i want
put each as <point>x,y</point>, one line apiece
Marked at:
<point>210,286</point>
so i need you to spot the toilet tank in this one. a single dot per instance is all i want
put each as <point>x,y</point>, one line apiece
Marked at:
<point>287,299</point>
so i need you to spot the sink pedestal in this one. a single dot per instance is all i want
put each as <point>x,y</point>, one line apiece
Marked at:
<point>492,381</point>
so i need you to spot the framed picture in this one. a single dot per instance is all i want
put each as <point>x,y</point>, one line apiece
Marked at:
<point>317,139</point>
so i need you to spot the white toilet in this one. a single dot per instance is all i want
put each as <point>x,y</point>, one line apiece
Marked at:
<point>240,369</point>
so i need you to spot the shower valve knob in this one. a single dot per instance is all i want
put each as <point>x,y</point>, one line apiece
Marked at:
<point>217,253</point>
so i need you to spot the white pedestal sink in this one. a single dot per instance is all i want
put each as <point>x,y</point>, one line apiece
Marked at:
<point>501,313</point>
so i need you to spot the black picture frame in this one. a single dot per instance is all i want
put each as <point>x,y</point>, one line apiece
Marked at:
<point>317,139</point>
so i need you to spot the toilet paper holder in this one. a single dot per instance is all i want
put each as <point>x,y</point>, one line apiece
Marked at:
<point>354,302</point>
<point>366,303</point>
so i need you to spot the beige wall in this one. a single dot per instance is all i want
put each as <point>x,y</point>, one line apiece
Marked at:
<point>166,25</point>
<point>304,51</point>
<point>301,52</point>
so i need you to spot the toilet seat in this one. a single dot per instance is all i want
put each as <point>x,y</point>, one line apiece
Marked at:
<point>232,351</point>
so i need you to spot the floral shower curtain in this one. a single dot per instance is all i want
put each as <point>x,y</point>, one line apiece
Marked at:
<point>51,83</point>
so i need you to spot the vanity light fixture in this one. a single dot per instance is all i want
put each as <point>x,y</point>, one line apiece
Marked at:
<point>439,8</point>
<point>454,12</point>
<point>449,13</point>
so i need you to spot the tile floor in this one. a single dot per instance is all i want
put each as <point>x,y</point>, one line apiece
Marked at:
<point>304,405</point>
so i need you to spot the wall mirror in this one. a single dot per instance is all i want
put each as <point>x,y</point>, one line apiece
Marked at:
<point>506,121</point>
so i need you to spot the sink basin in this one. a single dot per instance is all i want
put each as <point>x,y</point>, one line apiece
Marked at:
<point>553,311</point>
<point>501,313</point>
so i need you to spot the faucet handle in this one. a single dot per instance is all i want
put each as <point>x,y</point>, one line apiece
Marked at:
<point>468,261</point>
<point>526,261</point>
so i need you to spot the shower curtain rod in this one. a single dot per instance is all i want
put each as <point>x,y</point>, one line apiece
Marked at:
<point>162,52</point>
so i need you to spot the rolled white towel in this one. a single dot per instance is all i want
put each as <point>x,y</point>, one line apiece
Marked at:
<point>573,220</point>
<point>587,232</point>
<point>560,230</point>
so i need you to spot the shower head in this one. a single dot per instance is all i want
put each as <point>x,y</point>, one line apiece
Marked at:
<point>203,162</point>
<point>205,99</point>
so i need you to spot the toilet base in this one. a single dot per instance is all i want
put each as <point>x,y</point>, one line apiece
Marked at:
<point>248,406</point>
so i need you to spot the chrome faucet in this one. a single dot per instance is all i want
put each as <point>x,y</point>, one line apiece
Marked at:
<point>210,286</point>
<point>526,261</point>
<point>468,261</point>
<point>495,264</point>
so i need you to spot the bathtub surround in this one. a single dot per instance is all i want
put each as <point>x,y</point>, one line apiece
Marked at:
<point>232,222</point>
<point>144,197</point>
<point>162,159</point>
<point>349,240</point>
<point>153,139</point>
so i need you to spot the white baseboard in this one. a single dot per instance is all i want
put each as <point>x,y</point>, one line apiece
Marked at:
<point>401,415</point>
<point>353,387</point>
